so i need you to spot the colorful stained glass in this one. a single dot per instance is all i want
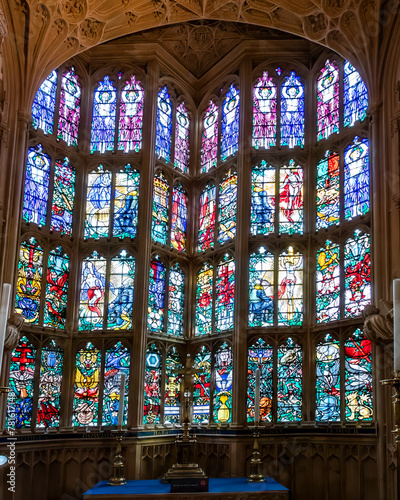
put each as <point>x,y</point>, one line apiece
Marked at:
<point>328,188</point>
<point>328,283</point>
<point>51,368</point>
<point>230,123</point>
<point>172,387</point>
<point>263,189</point>
<point>93,282</point>
<point>356,179</point>
<point>131,116</point>
<point>152,386</point>
<point>358,378</point>
<point>225,294</point>
<point>209,138</point>
<point>290,381</point>
<point>207,218</point>
<point>355,96</point>
<point>55,308</point>
<point>98,203</point>
<point>164,124</point>
<point>155,317</point>
<point>126,203</point>
<point>44,104</point>
<point>20,397</point>
<point>176,295</point>
<point>159,222</point>
<point>179,218</point>
<point>357,274</point>
<point>290,288</point>
<point>120,292</point>
<point>201,387</point>
<point>223,372</point>
<point>328,101</point>
<point>117,362</point>
<point>261,288</point>
<point>182,138</point>
<point>103,121</point>
<point>63,197</point>
<point>291,199</point>
<point>86,386</point>
<point>227,208</point>
<point>204,300</point>
<point>260,356</point>
<point>70,108</point>
<point>264,112</point>
<point>29,282</point>
<point>36,190</point>
<point>327,406</point>
<point>292,111</point>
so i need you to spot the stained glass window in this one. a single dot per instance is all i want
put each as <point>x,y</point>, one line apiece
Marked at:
<point>263,189</point>
<point>223,371</point>
<point>63,197</point>
<point>164,124</point>
<point>328,283</point>
<point>290,288</point>
<point>55,308</point>
<point>358,378</point>
<point>260,356</point>
<point>290,381</point>
<point>227,208</point>
<point>327,407</point>
<point>120,292</point>
<point>328,182</point>
<point>261,288</point>
<point>355,96</point>
<point>230,123</point>
<point>207,217</point>
<point>152,386</point>
<point>159,222</point>
<point>36,190</point>
<point>292,111</point>
<point>20,397</point>
<point>204,300</point>
<point>201,389</point>
<point>182,138</point>
<point>98,202</point>
<point>209,138</point>
<point>117,362</point>
<point>103,121</point>
<point>264,112</point>
<point>131,116</point>
<point>155,317</point>
<point>225,294</point>
<point>29,281</point>
<point>51,368</point>
<point>172,387</point>
<point>176,290</point>
<point>179,218</point>
<point>357,274</point>
<point>93,282</point>
<point>356,178</point>
<point>70,108</point>
<point>328,101</point>
<point>86,386</point>
<point>126,203</point>
<point>291,199</point>
<point>44,104</point>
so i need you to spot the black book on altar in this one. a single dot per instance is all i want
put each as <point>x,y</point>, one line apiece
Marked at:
<point>189,485</point>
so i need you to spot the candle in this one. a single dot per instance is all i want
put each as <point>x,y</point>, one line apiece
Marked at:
<point>121,400</point>
<point>396,324</point>
<point>5,301</point>
<point>257,398</point>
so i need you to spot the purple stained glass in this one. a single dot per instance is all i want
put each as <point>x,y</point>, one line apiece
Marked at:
<point>209,138</point>
<point>182,128</point>
<point>164,124</point>
<point>328,101</point>
<point>356,179</point>
<point>264,112</point>
<point>103,121</point>
<point>63,197</point>
<point>152,385</point>
<point>44,104</point>
<point>70,108</point>
<point>292,111</point>
<point>355,96</point>
<point>131,116</point>
<point>230,123</point>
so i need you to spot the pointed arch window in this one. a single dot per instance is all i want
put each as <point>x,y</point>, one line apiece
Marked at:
<point>264,112</point>
<point>55,309</point>
<point>208,200</point>
<point>263,188</point>
<point>63,197</point>
<point>223,373</point>
<point>179,218</point>
<point>36,191</point>
<point>260,357</point>
<point>355,96</point>
<point>104,116</point>
<point>120,292</point>
<point>152,385</point>
<point>328,380</point>
<point>290,291</point>
<point>155,317</point>
<point>328,283</point>
<point>328,190</point>
<point>176,296</point>
<point>164,124</point>
<point>204,300</point>
<point>290,382</point>
<point>261,288</point>
<point>182,146</point>
<point>172,387</point>
<point>328,100</point>
<point>356,178</point>
<point>98,203</point>
<point>131,116</point>
<point>292,111</point>
<point>209,138</point>
<point>202,384</point>
<point>160,214</point>
<point>70,108</point>
<point>225,294</point>
<point>227,208</point>
<point>51,372</point>
<point>93,283</point>
<point>230,123</point>
<point>44,104</point>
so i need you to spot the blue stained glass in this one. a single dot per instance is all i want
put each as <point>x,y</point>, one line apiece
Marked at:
<point>227,208</point>
<point>328,381</point>
<point>126,203</point>
<point>261,288</point>
<point>230,123</point>
<point>120,293</point>
<point>355,96</point>
<point>292,111</point>
<point>44,104</point>
<point>290,381</point>
<point>93,282</point>
<point>164,124</point>
<point>98,202</point>
<point>117,361</point>
<point>356,179</point>
<point>103,121</point>
<point>156,296</point>
<point>176,289</point>
<point>263,187</point>
<point>159,222</point>
<point>63,197</point>
<point>51,366</point>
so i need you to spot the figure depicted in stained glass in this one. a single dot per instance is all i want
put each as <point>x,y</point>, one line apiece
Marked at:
<point>116,363</point>
<point>98,203</point>
<point>55,308</point>
<point>70,108</point>
<point>172,387</point>
<point>290,381</point>
<point>260,356</point>
<point>230,123</point>
<point>207,218</point>
<point>51,367</point>
<point>328,101</point>
<point>36,190</point>
<point>176,289</point>
<point>152,386</point>
<point>225,294</point>
<point>263,189</point>
<point>63,197</point>
<point>261,288</point>
<point>355,96</point>
<point>120,292</point>
<point>328,283</point>
<point>223,370</point>
<point>356,178</point>
<point>327,406</point>
<point>201,387</point>
<point>328,182</point>
<point>209,138</point>
<point>204,298</point>
<point>178,218</point>
<point>131,116</point>
<point>292,111</point>
<point>290,290</point>
<point>159,222</point>
<point>155,317</point>
<point>291,199</point>
<point>44,104</point>
<point>103,121</point>
<point>264,112</point>
<point>182,138</point>
<point>227,208</point>
<point>93,282</point>
<point>126,203</point>
<point>164,124</point>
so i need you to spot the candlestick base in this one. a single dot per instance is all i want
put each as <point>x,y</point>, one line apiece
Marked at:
<point>4,390</point>
<point>118,464</point>
<point>255,475</point>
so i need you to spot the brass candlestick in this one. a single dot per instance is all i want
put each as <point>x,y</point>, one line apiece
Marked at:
<point>118,465</point>
<point>255,475</point>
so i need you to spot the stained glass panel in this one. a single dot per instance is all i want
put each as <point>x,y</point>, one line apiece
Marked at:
<point>51,368</point>
<point>120,293</point>
<point>355,96</point>
<point>207,217</point>
<point>117,362</point>
<point>261,288</point>
<point>164,124</point>
<point>264,112</point>
<point>328,182</point>
<point>55,308</point>
<point>70,108</point>
<point>131,116</point>
<point>290,381</point>
<point>159,222</point>
<point>227,208</point>
<point>182,138</point>
<point>126,203</point>
<point>178,218</point>
<point>356,179</point>
<point>63,197</point>
<point>290,288</point>
<point>152,386</point>
<point>328,101</point>
<point>230,123</point>
<point>263,189</point>
<point>93,282</point>
<point>201,390</point>
<point>328,381</point>
<point>103,121</point>
<point>291,199</point>
<point>223,371</point>
<point>225,294</point>
<point>156,296</point>
<point>328,283</point>
<point>176,291</point>
<point>260,356</point>
<point>98,202</point>
<point>172,387</point>
<point>204,300</point>
<point>44,104</point>
<point>209,138</point>
<point>292,111</point>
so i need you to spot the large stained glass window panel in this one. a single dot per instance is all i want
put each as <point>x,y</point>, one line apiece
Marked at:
<point>51,368</point>
<point>209,138</point>
<point>44,104</point>
<point>292,111</point>
<point>55,308</point>
<point>223,372</point>
<point>172,387</point>
<point>131,116</point>
<point>176,295</point>
<point>290,288</point>
<point>159,222</point>
<point>164,124</point>
<point>103,121</point>
<point>207,217</point>
<point>70,108</point>
<point>152,386</point>
<point>126,203</point>
<point>63,197</point>
<point>290,381</point>
<point>179,218</point>
<point>328,283</point>
<point>291,199</point>
<point>328,182</point>
<point>182,138</point>
<point>98,203</point>
<point>225,294</point>
<point>116,364</point>
<point>93,282</point>
<point>230,123</point>
<point>264,112</point>
<point>204,300</point>
<point>260,356</point>
<point>201,388</point>
<point>227,208</point>
<point>355,96</point>
<point>328,101</point>
<point>261,288</point>
<point>155,317</point>
<point>327,405</point>
<point>120,292</point>
<point>356,178</point>
<point>263,189</point>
